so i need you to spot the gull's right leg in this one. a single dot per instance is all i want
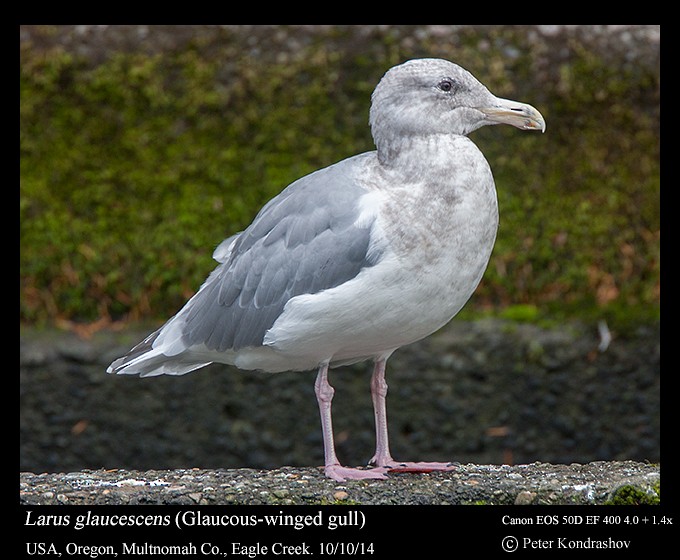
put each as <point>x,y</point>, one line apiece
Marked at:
<point>324,396</point>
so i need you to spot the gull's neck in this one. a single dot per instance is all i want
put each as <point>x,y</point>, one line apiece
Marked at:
<point>416,155</point>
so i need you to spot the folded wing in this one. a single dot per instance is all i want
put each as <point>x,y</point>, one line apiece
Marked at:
<point>307,239</point>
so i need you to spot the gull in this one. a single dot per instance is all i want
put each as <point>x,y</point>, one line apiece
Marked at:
<point>358,259</point>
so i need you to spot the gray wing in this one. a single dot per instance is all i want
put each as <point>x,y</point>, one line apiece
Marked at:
<point>302,242</point>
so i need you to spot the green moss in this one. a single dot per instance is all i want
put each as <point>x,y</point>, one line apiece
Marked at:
<point>632,496</point>
<point>521,313</point>
<point>132,169</point>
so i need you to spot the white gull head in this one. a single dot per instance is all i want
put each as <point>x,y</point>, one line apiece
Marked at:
<point>429,96</point>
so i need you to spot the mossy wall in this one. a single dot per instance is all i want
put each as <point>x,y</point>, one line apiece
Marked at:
<point>143,147</point>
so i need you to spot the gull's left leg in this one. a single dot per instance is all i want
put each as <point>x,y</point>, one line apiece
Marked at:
<point>382,457</point>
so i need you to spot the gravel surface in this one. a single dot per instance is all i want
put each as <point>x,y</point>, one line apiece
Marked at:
<point>537,483</point>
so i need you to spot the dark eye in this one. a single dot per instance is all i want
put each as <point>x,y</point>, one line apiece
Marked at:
<point>447,85</point>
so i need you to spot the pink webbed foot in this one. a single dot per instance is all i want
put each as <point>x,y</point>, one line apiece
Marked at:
<point>386,461</point>
<point>340,474</point>
<point>418,467</point>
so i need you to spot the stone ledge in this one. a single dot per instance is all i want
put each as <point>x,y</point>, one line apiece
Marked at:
<point>537,483</point>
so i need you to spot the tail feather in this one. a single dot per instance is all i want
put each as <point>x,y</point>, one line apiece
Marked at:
<point>147,361</point>
<point>139,350</point>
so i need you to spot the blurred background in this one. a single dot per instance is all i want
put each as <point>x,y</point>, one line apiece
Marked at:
<point>142,147</point>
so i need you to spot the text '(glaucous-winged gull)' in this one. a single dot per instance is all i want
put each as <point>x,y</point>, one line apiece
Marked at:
<point>357,259</point>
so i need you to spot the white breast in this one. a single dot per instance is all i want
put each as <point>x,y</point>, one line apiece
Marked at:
<point>436,240</point>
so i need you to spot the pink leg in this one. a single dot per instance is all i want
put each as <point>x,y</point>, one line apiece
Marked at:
<point>324,396</point>
<point>382,457</point>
